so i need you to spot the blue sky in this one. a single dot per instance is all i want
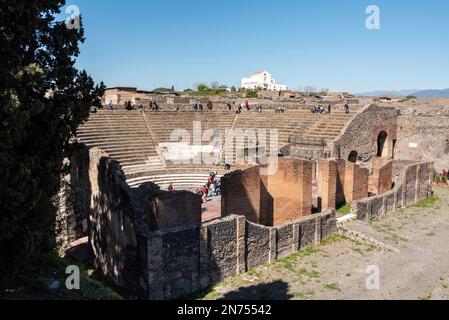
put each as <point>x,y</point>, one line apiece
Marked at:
<point>323,43</point>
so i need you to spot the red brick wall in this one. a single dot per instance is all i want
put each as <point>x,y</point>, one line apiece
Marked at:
<point>291,190</point>
<point>269,199</point>
<point>327,183</point>
<point>382,178</point>
<point>352,182</point>
<point>241,194</point>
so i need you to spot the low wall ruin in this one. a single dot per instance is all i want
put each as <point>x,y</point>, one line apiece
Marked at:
<point>185,260</point>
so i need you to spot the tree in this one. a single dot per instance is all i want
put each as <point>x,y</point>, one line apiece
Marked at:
<point>43,99</point>
<point>202,87</point>
<point>214,85</point>
<point>324,91</point>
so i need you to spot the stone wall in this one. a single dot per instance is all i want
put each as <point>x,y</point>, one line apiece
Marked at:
<point>73,201</point>
<point>284,194</point>
<point>415,184</point>
<point>424,138</point>
<point>133,251</point>
<point>182,261</point>
<point>95,200</point>
<point>362,133</point>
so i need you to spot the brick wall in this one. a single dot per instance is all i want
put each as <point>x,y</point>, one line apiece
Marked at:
<point>241,194</point>
<point>327,184</point>
<point>352,182</point>
<point>382,177</point>
<point>269,199</point>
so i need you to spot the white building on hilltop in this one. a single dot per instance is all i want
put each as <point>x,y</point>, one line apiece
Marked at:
<point>262,80</point>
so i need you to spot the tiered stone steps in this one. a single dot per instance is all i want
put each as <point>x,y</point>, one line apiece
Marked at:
<point>131,138</point>
<point>328,127</point>
<point>181,178</point>
<point>124,136</point>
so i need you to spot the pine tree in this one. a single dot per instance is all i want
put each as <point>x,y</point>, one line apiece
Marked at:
<point>43,99</point>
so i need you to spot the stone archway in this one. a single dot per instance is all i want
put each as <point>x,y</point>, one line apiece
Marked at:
<point>353,156</point>
<point>382,144</point>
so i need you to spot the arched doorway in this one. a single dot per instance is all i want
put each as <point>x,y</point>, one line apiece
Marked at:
<point>353,156</point>
<point>382,145</point>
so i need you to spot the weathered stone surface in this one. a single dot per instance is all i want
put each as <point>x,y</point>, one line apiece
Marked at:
<point>415,184</point>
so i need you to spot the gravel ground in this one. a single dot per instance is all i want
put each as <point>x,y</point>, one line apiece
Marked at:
<point>339,268</point>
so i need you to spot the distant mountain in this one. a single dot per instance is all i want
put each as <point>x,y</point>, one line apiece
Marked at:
<point>424,94</point>
<point>398,93</point>
<point>432,94</point>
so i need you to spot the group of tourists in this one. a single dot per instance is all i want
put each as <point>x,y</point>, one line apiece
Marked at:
<point>280,109</point>
<point>320,109</point>
<point>212,188</point>
<point>198,106</point>
<point>153,106</point>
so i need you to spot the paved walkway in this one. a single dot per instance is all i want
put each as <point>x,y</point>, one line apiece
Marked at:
<point>339,268</point>
<point>211,209</point>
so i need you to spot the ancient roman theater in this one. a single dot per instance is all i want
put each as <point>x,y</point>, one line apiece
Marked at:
<point>282,170</point>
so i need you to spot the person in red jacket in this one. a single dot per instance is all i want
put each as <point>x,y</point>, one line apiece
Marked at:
<point>170,188</point>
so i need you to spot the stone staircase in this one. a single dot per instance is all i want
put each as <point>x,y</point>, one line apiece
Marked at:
<point>124,136</point>
<point>133,138</point>
<point>327,127</point>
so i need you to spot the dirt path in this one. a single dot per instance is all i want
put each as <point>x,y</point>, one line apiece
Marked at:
<point>339,268</point>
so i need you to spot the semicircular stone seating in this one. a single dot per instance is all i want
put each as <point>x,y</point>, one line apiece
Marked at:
<point>133,138</point>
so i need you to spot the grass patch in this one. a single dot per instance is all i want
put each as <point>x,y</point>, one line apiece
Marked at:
<point>344,209</point>
<point>332,286</point>
<point>428,202</point>
<point>427,297</point>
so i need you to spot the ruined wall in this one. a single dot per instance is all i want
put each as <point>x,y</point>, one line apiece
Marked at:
<point>121,217</point>
<point>290,188</point>
<point>241,192</point>
<point>361,134</point>
<point>352,182</point>
<point>415,184</point>
<point>327,184</point>
<point>174,262</point>
<point>381,179</point>
<point>284,194</point>
<point>184,260</point>
<point>117,225</point>
<point>424,137</point>
<point>73,201</point>
<point>177,208</point>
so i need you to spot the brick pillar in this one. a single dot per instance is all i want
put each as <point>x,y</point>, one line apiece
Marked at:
<point>356,182</point>
<point>327,183</point>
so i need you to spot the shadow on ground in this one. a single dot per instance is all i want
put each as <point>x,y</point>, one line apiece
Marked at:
<point>277,290</point>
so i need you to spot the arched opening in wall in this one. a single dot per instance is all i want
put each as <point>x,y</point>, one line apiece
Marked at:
<point>353,156</point>
<point>382,147</point>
